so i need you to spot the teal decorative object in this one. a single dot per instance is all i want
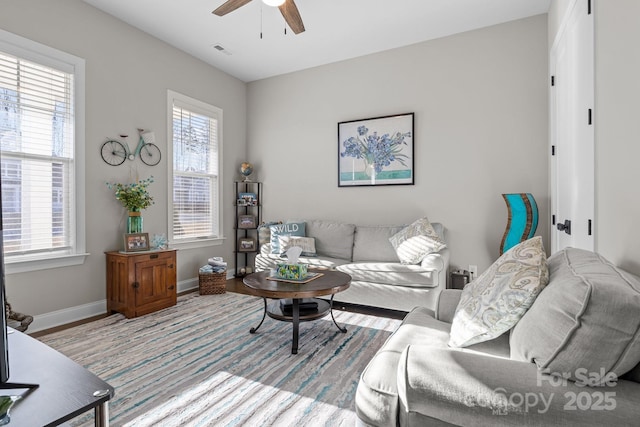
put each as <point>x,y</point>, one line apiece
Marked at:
<point>291,271</point>
<point>134,222</point>
<point>522,221</point>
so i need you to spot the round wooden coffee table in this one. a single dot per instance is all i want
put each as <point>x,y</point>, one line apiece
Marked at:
<point>328,282</point>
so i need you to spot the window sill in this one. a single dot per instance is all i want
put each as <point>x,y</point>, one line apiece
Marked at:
<point>27,264</point>
<point>197,243</point>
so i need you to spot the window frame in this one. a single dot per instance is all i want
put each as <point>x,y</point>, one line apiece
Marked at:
<point>54,58</point>
<point>200,107</point>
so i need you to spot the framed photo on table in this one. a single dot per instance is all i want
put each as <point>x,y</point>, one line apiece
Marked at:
<point>376,151</point>
<point>136,242</point>
<point>246,221</point>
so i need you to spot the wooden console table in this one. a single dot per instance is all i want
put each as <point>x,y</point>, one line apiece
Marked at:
<point>65,389</point>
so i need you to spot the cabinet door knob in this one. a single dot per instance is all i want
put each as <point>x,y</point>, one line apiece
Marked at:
<point>170,265</point>
<point>135,285</point>
<point>171,287</point>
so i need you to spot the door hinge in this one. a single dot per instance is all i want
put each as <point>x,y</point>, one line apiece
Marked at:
<point>589,226</point>
<point>553,80</point>
<point>588,7</point>
<point>553,150</point>
<point>590,116</point>
<point>553,220</point>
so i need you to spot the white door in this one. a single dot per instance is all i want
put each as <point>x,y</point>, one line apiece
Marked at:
<point>572,121</point>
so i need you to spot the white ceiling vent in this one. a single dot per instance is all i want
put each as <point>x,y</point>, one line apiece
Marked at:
<point>221,48</point>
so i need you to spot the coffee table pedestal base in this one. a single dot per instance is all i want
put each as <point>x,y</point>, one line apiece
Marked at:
<point>274,311</point>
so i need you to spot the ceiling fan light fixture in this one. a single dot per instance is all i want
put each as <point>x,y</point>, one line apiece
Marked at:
<point>274,3</point>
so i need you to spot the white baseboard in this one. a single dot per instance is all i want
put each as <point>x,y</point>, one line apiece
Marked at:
<point>85,311</point>
<point>67,315</point>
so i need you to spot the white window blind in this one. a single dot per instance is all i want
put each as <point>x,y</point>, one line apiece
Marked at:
<point>37,136</point>
<point>195,130</point>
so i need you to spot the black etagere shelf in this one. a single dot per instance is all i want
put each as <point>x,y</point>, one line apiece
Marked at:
<point>248,216</point>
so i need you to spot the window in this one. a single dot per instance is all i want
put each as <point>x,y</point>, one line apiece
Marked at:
<point>41,100</point>
<point>195,171</point>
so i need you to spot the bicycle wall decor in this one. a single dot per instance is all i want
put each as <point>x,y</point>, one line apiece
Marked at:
<point>114,152</point>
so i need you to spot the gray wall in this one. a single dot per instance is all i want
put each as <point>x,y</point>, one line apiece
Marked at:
<point>617,134</point>
<point>480,101</point>
<point>127,76</point>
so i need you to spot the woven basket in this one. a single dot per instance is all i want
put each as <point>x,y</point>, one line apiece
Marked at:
<point>213,283</point>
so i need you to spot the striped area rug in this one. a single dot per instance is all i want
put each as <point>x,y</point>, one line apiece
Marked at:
<point>196,364</point>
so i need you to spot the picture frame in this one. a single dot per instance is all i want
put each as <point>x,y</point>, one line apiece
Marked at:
<point>246,244</point>
<point>246,221</point>
<point>247,199</point>
<point>136,242</point>
<point>376,151</point>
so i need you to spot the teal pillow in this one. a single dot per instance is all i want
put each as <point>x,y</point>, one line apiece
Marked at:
<point>286,229</point>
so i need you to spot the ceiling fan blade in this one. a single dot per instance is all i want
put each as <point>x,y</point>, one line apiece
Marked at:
<point>229,6</point>
<point>291,14</point>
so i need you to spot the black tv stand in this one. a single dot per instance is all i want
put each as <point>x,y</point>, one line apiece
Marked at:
<point>58,388</point>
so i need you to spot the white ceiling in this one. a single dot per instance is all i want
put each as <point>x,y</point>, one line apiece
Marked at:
<point>335,29</point>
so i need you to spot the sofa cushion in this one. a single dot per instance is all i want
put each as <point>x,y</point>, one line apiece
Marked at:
<point>286,229</point>
<point>494,302</point>
<point>333,239</point>
<point>586,319</point>
<point>268,260</point>
<point>392,273</point>
<point>416,241</point>
<point>371,243</point>
<point>307,244</point>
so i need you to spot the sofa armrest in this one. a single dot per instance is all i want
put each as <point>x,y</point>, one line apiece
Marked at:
<point>469,388</point>
<point>446,304</point>
<point>439,259</point>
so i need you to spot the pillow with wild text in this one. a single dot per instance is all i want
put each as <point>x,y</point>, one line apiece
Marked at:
<point>286,229</point>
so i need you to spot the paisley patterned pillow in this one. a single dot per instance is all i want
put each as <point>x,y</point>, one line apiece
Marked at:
<point>416,241</point>
<point>494,302</point>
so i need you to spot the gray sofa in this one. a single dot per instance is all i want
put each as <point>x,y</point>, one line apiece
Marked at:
<point>583,327</point>
<point>364,252</point>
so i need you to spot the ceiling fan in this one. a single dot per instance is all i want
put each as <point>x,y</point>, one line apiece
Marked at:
<point>288,9</point>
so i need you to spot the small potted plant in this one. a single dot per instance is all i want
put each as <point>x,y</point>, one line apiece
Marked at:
<point>135,197</point>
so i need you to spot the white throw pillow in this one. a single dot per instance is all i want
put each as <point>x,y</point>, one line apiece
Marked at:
<point>416,241</point>
<point>493,303</point>
<point>307,244</point>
